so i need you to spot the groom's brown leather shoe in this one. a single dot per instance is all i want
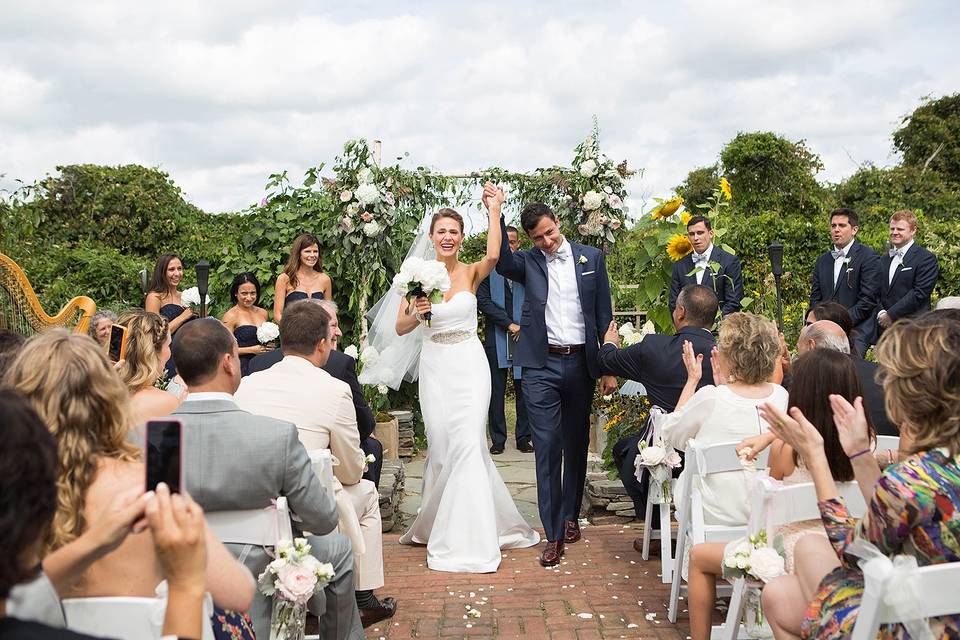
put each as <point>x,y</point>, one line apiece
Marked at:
<point>552,553</point>
<point>571,531</point>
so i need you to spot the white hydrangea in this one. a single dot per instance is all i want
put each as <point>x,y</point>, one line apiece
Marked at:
<point>369,356</point>
<point>191,297</point>
<point>588,169</point>
<point>267,332</point>
<point>365,176</point>
<point>371,228</point>
<point>592,200</point>
<point>351,351</point>
<point>382,389</point>
<point>367,194</point>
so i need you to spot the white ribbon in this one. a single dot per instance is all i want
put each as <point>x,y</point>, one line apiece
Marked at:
<point>899,581</point>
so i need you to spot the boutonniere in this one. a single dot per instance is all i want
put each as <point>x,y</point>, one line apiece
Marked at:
<point>583,260</point>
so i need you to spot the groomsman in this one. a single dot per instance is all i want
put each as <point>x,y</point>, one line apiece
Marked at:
<point>850,273</point>
<point>695,268</point>
<point>908,274</point>
<point>500,300</point>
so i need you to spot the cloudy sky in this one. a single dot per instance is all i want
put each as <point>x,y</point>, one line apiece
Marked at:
<point>221,94</point>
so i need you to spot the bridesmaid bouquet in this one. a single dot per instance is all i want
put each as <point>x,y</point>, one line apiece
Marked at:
<point>267,332</point>
<point>191,297</point>
<point>292,579</point>
<point>420,278</point>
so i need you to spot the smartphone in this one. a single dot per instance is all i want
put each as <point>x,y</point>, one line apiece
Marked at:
<point>117,346</point>
<point>162,449</point>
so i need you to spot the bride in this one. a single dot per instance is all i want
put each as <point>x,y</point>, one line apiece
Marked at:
<point>466,514</point>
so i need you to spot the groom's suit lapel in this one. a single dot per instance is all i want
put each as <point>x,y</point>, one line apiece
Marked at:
<point>541,261</point>
<point>576,251</point>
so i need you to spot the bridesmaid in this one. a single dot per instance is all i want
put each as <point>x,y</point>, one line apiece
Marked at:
<point>303,276</point>
<point>163,297</point>
<point>245,317</point>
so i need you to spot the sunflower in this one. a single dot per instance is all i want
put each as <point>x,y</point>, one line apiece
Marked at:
<point>685,217</point>
<point>678,247</point>
<point>725,189</point>
<point>666,209</point>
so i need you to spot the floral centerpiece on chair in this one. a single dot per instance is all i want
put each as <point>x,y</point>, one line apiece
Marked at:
<point>292,579</point>
<point>659,460</point>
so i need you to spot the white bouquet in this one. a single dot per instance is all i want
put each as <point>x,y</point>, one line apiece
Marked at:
<point>351,351</point>
<point>369,356</point>
<point>753,558</point>
<point>659,460</point>
<point>267,332</point>
<point>631,336</point>
<point>420,278</point>
<point>191,297</point>
<point>293,578</point>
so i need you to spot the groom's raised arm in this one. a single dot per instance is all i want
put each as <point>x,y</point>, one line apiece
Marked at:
<point>510,265</point>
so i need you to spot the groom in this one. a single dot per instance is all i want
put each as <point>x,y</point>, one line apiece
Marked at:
<point>566,306</point>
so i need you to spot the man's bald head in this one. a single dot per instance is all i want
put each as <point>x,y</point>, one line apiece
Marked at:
<point>823,334</point>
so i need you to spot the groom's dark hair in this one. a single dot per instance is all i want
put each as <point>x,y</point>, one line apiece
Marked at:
<point>531,214</point>
<point>700,303</point>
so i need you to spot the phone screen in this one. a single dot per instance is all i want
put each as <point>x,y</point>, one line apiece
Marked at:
<point>163,445</point>
<point>116,349</point>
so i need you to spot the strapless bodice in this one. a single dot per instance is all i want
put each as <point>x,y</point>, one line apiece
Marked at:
<point>293,296</point>
<point>246,335</point>
<point>458,314</point>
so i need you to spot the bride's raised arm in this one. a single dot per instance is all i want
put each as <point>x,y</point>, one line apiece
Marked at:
<point>493,198</point>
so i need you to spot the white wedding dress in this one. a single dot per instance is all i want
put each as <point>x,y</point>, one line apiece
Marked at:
<point>466,513</point>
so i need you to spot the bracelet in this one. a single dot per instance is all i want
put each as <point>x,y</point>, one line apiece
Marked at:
<point>858,454</point>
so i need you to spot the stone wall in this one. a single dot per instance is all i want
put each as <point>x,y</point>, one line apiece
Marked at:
<point>391,492</point>
<point>606,501</point>
<point>405,431</point>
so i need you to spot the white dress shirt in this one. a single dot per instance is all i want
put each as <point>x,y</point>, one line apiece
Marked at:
<point>838,263</point>
<point>564,314</point>
<point>897,261</point>
<point>702,266</point>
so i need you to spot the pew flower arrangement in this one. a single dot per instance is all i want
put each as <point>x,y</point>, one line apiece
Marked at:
<point>292,579</point>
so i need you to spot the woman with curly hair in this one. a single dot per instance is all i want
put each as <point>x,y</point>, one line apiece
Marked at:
<point>69,383</point>
<point>148,348</point>
<point>303,277</point>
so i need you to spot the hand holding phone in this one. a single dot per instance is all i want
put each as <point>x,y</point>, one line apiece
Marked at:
<point>162,450</point>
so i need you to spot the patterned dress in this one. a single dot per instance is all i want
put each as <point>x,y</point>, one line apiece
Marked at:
<point>915,510</point>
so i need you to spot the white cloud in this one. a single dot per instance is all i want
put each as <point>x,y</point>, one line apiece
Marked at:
<point>222,94</point>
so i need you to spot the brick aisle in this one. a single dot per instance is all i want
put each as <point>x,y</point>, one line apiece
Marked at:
<point>602,590</point>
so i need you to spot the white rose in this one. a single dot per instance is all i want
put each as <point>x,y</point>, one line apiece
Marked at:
<point>346,196</point>
<point>365,176</point>
<point>588,169</point>
<point>382,389</point>
<point>371,229</point>
<point>368,194</point>
<point>766,564</point>
<point>389,199</point>
<point>614,201</point>
<point>353,208</point>
<point>592,200</point>
<point>192,297</point>
<point>369,356</point>
<point>648,328</point>
<point>351,351</point>
<point>673,458</point>
<point>652,456</point>
<point>346,224</point>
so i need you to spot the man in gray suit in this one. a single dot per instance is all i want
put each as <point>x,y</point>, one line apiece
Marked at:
<point>236,460</point>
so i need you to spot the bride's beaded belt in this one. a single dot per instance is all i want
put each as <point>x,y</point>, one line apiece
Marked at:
<point>452,337</point>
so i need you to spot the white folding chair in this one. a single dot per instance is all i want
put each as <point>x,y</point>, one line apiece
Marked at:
<point>936,584</point>
<point>121,617</point>
<point>775,505</point>
<point>702,462</point>
<point>664,533</point>
<point>264,527</point>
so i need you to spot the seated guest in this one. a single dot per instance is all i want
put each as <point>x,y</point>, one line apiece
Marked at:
<point>298,390</point>
<point>100,325</point>
<point>28,486</point>
<point>827,334</point>
<point>10,345</point>
<point>163,297</point>
<point>148,349</point>
<point>816,375</point>
<point>245,317</point>
<point>747,350</point>
<point>657,364</point>
<point>913,506</point>
<point>834,312</point>
<point>303,277</point>
<point>265,460</point>
<point>342,367</point>
<point>85,406</point>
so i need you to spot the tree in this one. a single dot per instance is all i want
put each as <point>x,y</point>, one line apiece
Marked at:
<point>697,188</point>
<point>930,137</point>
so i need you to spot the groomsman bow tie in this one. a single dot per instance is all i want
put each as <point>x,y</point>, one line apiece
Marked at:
<point>700,258</point>
<point>896,253</point>
<point>559,255</point>
<point>837,253</point>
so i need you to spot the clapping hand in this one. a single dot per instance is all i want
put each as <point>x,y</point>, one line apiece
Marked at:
<point>612,335</point>
<point>693,362</point>
<point>719,375</point>
<point>794,429</point>
<point>493,196</point>
<point>851,423</point>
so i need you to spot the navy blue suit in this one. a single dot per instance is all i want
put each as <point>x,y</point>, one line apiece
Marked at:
<point>857,288</point>
<point>727,283</point>
<point>558,388</point>
<point>909,293</point>
<point>657,364</point>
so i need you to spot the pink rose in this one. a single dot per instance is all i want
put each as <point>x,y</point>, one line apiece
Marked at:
<point>346,224</point>
<point>615,224</point>
<point>389,199</point>
<point>614,201</point>
<point>296,583</point>
<point>366,216</point>
<point>673,460</point>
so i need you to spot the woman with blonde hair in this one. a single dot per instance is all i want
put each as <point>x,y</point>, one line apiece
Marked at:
<point>303,277</point>
<point>69,383</point>
<point>148,349</point>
